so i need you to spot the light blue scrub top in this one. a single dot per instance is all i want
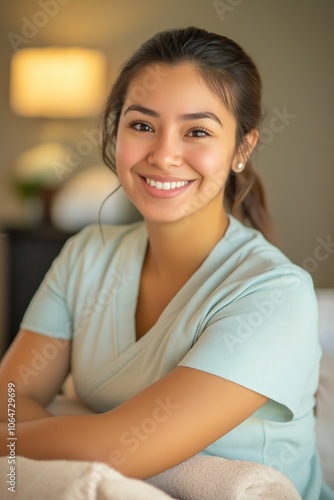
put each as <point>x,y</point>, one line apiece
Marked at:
<point>248,315</point>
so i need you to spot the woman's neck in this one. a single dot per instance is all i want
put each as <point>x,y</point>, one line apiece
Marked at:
<point>179,248</point>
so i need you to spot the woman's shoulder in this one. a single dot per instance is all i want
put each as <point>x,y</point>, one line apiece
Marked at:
<point>255,261</point>
<point>249,244</point>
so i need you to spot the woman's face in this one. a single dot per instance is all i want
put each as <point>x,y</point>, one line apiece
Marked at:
<point>175,144</point>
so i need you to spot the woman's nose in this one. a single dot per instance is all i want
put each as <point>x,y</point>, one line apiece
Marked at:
<point>166,151</point>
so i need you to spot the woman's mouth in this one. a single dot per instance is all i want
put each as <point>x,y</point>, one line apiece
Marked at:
<point>166,186</point>
<point>161,188</point>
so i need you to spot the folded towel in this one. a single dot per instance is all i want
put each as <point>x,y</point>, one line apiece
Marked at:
<point>214,478</point>
<point>201,477</point>
<point>71,480</point>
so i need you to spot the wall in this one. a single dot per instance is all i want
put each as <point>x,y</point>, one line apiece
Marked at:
<point>292,44</point>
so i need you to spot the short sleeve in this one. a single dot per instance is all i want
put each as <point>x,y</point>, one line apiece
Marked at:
<point>48,312</point>
<point>266,339</point>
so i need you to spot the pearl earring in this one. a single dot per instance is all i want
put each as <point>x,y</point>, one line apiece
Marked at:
<point>240,167</point>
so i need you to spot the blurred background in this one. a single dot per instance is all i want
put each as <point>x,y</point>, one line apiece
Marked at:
<point>52,180</point>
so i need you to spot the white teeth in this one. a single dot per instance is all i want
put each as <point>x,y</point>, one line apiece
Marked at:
<point>166,186</point>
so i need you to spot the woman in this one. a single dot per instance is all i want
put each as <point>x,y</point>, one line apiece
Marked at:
<point>188,332</point>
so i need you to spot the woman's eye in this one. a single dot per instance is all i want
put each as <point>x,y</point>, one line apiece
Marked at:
<point>199,133</point>
<point>140,126</point>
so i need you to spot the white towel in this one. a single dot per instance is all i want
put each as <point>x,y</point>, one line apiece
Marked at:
<point>71,480</point>
<point>214,478</point>
<point>201,477</point>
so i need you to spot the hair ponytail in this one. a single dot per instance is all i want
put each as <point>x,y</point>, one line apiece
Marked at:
<point>246,199</point>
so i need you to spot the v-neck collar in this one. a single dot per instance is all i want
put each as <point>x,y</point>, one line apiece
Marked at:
<point>135,266</point>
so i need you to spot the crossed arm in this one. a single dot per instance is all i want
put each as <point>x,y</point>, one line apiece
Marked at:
<point>163,425</point>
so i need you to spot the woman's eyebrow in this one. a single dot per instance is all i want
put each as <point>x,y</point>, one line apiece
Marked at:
<point>198,116</point>
<point>141,109</point>
<point>187,116</point>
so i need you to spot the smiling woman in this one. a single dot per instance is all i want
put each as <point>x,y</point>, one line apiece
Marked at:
<point>184,331</point>
<point>184,149</point>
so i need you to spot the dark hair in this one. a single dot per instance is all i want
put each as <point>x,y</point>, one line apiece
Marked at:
<point>232,76</point>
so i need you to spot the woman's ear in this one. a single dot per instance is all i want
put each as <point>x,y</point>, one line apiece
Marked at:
<point>252,138</point>
<point>248,144</point>
<point>245,150</point>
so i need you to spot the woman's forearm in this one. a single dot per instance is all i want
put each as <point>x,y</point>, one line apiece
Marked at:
<point>23,409</point>
<point>74,437</point>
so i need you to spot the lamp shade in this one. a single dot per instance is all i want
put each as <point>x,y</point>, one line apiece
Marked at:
<point>35,166</point>
<point>57,82</point>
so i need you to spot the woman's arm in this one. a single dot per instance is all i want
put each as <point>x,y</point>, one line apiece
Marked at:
<point>36,366</point>
<point>163,425</point>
